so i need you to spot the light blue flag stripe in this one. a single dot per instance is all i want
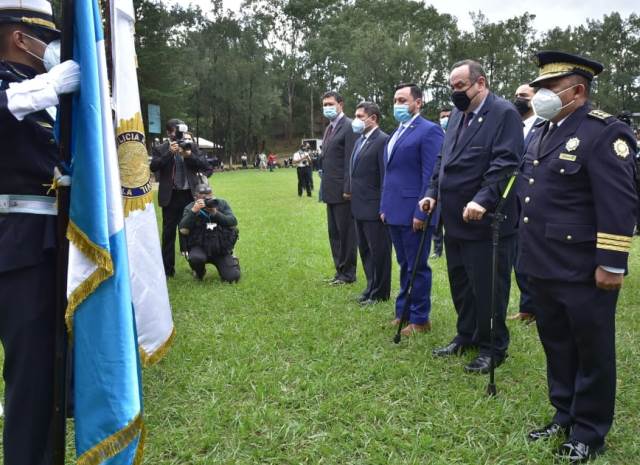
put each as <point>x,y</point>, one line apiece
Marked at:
<point>108,393</point>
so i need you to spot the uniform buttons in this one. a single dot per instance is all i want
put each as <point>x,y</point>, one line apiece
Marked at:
<point>536,162</point>
<point>525,219</point>
<point>527,199</point>
<point>561,170</point>
<point>569,237</point>
<point>531,181</point>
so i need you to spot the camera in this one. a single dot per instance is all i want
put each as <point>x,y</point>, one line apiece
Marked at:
<point>211,203</point>
<point>184,144</point>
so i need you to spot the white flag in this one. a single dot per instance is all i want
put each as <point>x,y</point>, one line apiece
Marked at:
<point>148,283</point>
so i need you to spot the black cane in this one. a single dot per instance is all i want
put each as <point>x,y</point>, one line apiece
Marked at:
<point>497,218</point>
<point>407,300</point>
<point>60,378</point>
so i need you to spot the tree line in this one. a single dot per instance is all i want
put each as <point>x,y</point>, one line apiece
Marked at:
<point>246,79</point>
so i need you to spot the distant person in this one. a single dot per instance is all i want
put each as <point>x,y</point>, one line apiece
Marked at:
<point>211,232</point>
<point>263,161</point>
<point>244,161</point>
<point>176,166</point>
<point>337,146</point>
<point>301,160</point>
<point>271,161</point>
<point>366,175</point>
<point>410,156</point>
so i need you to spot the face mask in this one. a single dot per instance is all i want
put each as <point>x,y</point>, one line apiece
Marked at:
<point>51,55</point>
<point>358,125</point>
<point>401,113</point>
<point>547,104</point>
<point>330,112</point>
<point>522,105</point>
<point>444,122</point>
<point>460,98</point>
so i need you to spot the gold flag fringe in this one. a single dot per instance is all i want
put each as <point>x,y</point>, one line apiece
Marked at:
<point>137,460</point>
<point>99,256</point>
<point>136,203</point>
<point>116,443</point>
<point>159,353</point>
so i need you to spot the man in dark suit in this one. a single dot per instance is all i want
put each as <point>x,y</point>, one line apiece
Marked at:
<point>337,145</point>
<point>575,231</point>
<point>176,170</point>
<point>366,174</point>
<point>482,146</point>
<point>410,155</point>
<point>30,85</point>
<point>530,126</point>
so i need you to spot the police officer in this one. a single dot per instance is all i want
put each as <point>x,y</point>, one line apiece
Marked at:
<point>210,229</point>
<point>31,79</point>
<point>575,234</point>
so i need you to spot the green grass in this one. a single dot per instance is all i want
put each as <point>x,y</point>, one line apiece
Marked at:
<point>283,369</point>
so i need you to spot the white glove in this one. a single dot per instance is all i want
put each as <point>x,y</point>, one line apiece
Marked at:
<point>65,77</point>
<point>42,91</point>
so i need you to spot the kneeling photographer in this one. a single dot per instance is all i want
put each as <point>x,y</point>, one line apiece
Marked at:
<point>210,230</point>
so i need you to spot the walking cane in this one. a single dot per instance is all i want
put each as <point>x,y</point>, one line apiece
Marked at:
<point>407,301</point>
<point>497,218</point>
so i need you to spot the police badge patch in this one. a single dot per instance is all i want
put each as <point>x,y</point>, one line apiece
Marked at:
<point>621,148</point>
<point>572,144</point>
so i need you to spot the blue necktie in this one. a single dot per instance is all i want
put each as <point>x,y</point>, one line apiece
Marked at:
<point>356,152</point>
<point>394,139</point>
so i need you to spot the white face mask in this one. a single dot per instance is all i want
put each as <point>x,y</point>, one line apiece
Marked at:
<point>51,55</point>
<point>547,104</point>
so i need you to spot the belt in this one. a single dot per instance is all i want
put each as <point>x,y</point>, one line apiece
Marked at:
<point>34,204</point>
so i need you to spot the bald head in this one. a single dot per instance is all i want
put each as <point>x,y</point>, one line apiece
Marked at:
<point>522,100</point>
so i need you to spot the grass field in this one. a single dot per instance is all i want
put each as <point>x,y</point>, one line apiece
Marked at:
<point>283,369</point>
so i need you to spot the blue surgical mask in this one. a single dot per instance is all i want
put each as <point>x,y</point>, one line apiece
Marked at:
<point>358,126</point>
<point>444,122</point>
<point>401,113</point>
<point>330,112</point>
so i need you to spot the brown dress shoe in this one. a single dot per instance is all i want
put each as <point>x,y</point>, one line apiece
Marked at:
<point>414,328</point>
<point>521,316</point>
<point>395,322</point>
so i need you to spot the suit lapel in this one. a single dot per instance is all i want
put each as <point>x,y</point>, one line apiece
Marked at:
<point>560,135</point>
<point>366,145</point>
<point>408,130</point>
<point>474,126</point>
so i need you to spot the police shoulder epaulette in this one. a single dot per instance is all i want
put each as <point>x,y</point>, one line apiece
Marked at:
<point>601,115</point>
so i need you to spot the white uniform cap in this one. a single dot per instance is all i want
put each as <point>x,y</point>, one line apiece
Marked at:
<point>36,13</point>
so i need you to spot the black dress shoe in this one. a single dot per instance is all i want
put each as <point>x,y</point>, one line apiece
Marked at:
<point>482,364</point>
<point>361,298</point>
<point>575,451</point>
<point>548,431</point>
<point>368,302</point>
<point>453,348</point>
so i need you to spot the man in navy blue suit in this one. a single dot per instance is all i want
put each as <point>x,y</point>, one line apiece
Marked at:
<point>482,146</point>
<point>366,175</point>
<point>410,156</point>
<point>531,124</point>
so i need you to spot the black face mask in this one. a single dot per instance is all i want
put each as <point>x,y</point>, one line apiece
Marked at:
<point>522,105</point>
<point>460,98</point>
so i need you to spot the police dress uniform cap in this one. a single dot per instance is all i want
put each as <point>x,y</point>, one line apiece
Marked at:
<point>554,64</point>
<point>34,13</point>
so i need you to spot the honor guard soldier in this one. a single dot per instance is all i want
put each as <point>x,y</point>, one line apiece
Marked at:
<point>576,224</point>
<point>31,79</point>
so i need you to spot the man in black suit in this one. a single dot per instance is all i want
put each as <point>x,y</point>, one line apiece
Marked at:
<point>530,126</point>
<point>176,169</point>
<point>483,142</point>
<point>337,145</point>
<point>366,174</point>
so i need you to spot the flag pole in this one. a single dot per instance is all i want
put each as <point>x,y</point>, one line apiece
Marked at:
<point>60,381</point>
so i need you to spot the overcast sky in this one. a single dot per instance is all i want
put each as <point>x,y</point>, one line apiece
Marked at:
<point>549,13</point>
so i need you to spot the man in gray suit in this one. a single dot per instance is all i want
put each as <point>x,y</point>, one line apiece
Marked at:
<point>366,175</point>
<point>337,145</point>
